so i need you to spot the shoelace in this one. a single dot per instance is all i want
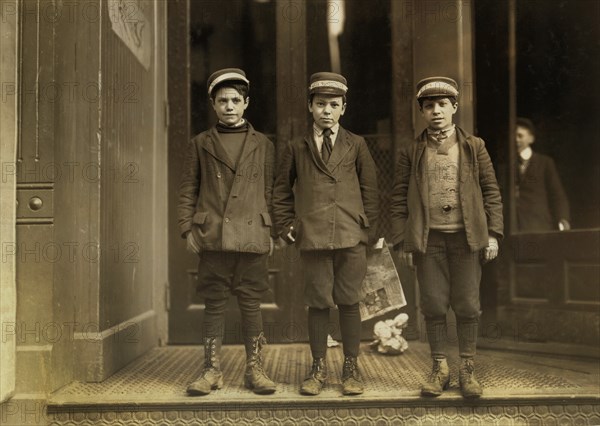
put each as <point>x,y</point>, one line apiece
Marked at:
<point>350,369</point>
<point>436,371</point>
<point>469,369</point>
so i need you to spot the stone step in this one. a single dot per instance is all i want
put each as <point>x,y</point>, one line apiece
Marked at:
<point>518,389</point>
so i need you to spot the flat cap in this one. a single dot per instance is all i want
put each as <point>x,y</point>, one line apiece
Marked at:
<point>226,74</point>
<point>328,83</point>
<point>436,86</point>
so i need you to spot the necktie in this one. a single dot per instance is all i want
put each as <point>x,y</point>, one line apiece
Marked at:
<point>445,144</point>
<point>440,136</point>
<point>522,165</point>
<point>327,146</point>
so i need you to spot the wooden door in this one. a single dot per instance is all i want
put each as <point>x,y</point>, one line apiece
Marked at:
<point>261,38</point>
<point>547,282</point>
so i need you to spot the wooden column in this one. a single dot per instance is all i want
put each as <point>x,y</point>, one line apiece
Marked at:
<point>8,192</point>
<point>403,100</point>
<point>179,89</point>
<point>403,110</point>
<point>292,81</point>
<point>512,114</point>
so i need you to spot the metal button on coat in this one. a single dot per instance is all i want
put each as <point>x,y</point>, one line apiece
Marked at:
<point>226,220</point>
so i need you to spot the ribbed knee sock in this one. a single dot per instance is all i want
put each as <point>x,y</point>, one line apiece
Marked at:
<point>318,325</point>
<point>350,327</point>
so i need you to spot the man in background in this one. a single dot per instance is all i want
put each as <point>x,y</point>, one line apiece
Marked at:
<point>542,203</point>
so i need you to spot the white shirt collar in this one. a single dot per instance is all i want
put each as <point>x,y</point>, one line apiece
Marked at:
<point>526,153</point>
<point>319,132</point>
<point>449,131</point>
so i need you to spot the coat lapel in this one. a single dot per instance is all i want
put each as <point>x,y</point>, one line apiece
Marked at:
<point>250,144</point>
<point>421,168</point>
<point>340,149</point>
<point>465,157</point>
<point>312,146</point>
<point>213,146</point>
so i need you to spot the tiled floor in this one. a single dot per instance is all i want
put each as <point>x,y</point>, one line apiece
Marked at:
<point>162,375</point>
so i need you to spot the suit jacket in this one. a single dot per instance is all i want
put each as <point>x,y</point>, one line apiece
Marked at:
<point>334,205</point>
<point>227,207</point>
<point>480,198</point>
<point>541,199</point>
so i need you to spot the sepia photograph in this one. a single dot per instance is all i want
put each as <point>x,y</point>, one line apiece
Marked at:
<point>299,212</point>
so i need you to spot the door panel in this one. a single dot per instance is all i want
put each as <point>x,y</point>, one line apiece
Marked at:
<point>553,287</point>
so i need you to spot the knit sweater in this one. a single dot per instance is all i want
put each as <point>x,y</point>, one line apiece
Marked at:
<point>445,212</point>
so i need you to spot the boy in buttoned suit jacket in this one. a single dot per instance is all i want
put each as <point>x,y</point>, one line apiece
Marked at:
<point>446,211</point>
<point>331,217</point>
<point>224,214</point>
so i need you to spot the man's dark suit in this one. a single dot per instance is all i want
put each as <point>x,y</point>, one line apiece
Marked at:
<point>541,199</point>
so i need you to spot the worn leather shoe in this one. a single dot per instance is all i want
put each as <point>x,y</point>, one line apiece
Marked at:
<point>211,376</point>
<point>352,383</point>
<point>316,379</point>
<point>438,380</point>
<point>469,386</point>
<point>255,378</point>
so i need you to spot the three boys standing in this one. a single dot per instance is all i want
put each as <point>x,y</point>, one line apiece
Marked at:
<point>445,208</point>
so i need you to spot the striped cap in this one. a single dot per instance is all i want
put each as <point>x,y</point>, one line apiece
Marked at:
<point>436,86</point>
<point>328,83</point>
<point>226,74</point>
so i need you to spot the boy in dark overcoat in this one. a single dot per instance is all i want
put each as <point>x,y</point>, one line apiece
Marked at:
<point>446,211</point>
<point>224,214</point>
<point>331,217</point>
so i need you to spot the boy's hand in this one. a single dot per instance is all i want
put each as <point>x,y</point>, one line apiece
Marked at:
<point>491,251</point>
<point>192,244</point>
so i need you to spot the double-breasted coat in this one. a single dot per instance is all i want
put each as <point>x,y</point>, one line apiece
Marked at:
<point>333,205</point>
<point>480,198</point>
<point>228,206</point>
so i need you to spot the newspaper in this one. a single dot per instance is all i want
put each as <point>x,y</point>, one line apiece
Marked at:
<point>381,288</point>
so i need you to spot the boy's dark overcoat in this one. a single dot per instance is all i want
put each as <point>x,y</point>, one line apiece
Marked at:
<point>228,207</point>
<point>332,206</point>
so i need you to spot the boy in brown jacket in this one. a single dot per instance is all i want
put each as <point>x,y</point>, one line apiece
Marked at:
<point>331,217</point>
<point>224,213</point>
<point>446,211</point>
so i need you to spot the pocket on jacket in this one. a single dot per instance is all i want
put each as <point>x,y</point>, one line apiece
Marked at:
<point>364,221</point>
<point>199,219</point>
<point>266,217</point>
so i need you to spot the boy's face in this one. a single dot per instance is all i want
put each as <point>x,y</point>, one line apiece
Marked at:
<point>524,138</point>
<point>229,105</point>
<point>438,112</point>
<point>327,110</point>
